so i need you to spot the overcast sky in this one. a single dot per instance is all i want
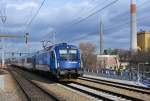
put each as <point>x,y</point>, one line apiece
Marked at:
<point>61,17</point>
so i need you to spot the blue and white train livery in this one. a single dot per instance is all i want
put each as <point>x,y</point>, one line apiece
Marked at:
<point>61,60</point>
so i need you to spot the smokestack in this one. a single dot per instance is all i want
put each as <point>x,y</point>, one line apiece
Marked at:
<point>133,42</point>
<point>101,37</point>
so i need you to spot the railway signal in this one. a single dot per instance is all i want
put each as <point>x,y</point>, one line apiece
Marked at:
<point>3,36</point>
<point>26,38</point>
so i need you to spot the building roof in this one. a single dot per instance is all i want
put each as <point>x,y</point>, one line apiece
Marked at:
<point>143,32</point>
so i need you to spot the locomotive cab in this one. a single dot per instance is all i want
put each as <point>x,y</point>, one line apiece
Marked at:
<point>68,62</point>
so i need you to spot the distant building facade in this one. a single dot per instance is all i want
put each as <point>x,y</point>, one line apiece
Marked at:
<point>143,40</point>
<point>108,61</point>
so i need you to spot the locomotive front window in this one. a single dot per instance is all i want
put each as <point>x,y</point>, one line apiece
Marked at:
<point>73,55</point>
<point>73,51</point>
<point>68,55</point>
<point>63,54</point>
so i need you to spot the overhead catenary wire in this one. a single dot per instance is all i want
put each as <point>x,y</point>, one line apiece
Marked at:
<point>126,11</point>
<point>26,22</point>
<point>94,33</point>
<point>126,21</point>
<point>94,8</point>
<point>118,25</point>
<point>97,11</point>
<point>90,15</point>
<point>37,12</point>
<point>93,13</point>
<point>141,5</point>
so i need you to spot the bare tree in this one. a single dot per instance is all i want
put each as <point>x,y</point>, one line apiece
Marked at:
<point>88,54</point>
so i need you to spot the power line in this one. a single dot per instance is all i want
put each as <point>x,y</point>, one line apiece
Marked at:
<point>37,12</point>
<point>127,21</point>
<point>92,14</point>
<point>74,20</point>
<point>126,11</point>
<point>94,8</point>
<point>26,22</point>
<point>124,23</point>
<point>115,16</point>
<point>94,33</point>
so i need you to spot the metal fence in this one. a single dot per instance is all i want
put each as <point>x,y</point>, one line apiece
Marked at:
<point>123,75</point>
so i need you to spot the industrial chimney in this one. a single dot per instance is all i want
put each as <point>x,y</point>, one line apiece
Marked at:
<point>101,37</point>
<point>133,40</point>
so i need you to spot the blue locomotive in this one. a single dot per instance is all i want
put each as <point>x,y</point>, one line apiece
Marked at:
<point>61,60</point>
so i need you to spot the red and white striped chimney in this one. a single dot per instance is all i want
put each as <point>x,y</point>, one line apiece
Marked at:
<point>133,40</point>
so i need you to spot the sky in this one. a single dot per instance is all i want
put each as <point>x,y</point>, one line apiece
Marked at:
<point>60,19</point>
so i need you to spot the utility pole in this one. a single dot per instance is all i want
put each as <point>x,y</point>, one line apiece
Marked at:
<point>3,18</point>
<point>3,54</point>
<point>101,37</point>
<point>133,37</point>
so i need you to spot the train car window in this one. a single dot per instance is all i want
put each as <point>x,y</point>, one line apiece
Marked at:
<point>29,60</point>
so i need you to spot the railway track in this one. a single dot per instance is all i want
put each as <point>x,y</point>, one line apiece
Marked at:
<point>32,91</point>
<point>103,95</point>
<point>106,97</point>
<point>138,89</point>
<point>46,86</point>
<point>87,86</point>
<point>100,93</point>
<point>129,94</point>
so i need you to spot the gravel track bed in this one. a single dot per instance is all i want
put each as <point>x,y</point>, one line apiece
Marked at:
<point>97,94</point>
<point>56,89</point>
<point>32,92</point>
<point>8,96</point>
<point>127,87</point>
<point>125,92</point>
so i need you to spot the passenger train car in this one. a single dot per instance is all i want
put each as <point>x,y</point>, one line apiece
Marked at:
<point>61,60</point>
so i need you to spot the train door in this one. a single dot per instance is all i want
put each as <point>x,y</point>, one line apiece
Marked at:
<point>52,61</point>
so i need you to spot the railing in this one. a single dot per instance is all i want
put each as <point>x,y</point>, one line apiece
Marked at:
<point>125,75</point>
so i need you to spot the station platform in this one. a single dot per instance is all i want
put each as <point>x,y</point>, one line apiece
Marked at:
<point>9,91</point>
<point>115,80</point>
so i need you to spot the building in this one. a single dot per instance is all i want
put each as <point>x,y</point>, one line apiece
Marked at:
<point>108,61</point>
<point>143,40</point>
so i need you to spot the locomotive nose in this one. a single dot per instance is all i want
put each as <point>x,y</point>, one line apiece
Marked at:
<point>69,65</point>
<point>70,68</point>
